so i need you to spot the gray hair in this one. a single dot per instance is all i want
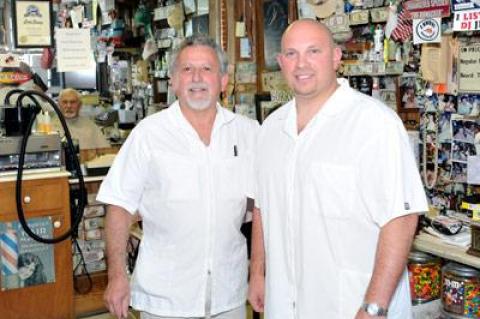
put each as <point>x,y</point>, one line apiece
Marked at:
<point>199,40</point>
<point>70,91</point>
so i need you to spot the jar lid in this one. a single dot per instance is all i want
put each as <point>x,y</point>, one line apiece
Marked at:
<point>461,270</point>
<point>421,257</point>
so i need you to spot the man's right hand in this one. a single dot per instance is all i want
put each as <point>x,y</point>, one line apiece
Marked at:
<point>256,292</point>
<point>117,296</point>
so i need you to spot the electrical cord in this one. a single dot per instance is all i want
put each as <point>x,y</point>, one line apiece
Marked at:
<point>10,93</point>
<point>82,264</point>
<point>77,217</point>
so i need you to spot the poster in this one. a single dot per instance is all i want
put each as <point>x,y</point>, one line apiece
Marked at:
<point>25,262</point>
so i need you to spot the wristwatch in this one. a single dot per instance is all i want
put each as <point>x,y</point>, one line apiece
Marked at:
<point>374,310</point>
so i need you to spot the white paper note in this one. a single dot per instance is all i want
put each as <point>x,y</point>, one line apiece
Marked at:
<point>74,52</point>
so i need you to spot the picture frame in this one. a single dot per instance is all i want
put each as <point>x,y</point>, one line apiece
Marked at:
<point>271,20</point>
<point>275,20</point>
<point>200,24</point>
<point>260,101</point>
<point>32,23</point>
<point>408,94</point>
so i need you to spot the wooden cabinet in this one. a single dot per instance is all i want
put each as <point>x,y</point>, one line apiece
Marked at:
<point>45,197</point>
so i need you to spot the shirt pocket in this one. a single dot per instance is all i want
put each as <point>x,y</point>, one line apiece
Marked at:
<point>333,188</point>
<point>177,177</point>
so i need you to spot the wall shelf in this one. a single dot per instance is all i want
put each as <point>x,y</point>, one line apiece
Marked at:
<point>435,246</point>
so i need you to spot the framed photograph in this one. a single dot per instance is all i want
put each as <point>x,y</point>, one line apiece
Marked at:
<point>275,21</point>
<point>271,19</point>
<point>200,25</point>
<point>32,23</point>
<point>408,94</point>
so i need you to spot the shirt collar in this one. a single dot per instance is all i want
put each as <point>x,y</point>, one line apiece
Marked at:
<point>333,106</point>
<point>221,118</point>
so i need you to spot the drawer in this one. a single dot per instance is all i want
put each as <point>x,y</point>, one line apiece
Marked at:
<point>37,195</point>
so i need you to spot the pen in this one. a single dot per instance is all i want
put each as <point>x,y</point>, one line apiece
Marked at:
<point>235,152</point>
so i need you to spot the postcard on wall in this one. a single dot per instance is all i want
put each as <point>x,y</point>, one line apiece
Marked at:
<point>189,6</point>
<point>25,262</point>
<point>202,7</point>
<point>473,170</point>
<point>246,72</point>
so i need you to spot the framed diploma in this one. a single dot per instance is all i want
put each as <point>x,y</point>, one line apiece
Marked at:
<point>32,23</point>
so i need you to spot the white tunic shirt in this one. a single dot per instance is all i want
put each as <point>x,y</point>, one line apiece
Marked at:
<point>324,194</point>
<point>192,199</point>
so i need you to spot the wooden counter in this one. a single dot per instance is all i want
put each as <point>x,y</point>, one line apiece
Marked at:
<point>44,196</point>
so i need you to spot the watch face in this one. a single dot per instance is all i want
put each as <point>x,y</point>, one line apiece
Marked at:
<point>372,309</point>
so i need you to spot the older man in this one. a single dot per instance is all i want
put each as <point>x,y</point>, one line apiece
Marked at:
<point>188,172</point>
<point>83,129</point>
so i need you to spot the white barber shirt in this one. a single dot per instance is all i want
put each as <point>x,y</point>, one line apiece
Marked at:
<point>324,195</point>
<point>192,199</point>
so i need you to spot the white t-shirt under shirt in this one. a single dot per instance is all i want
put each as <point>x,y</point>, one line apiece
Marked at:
<point>192,199</point>
<point>324,195</point>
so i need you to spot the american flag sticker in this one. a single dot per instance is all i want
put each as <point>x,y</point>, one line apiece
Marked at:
<point>403,29</point>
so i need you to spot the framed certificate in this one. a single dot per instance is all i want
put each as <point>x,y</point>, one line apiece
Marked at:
<point>32,23</point>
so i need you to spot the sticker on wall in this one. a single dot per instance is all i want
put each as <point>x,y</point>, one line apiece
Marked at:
<point>466,20</point>
<point>427,30</point>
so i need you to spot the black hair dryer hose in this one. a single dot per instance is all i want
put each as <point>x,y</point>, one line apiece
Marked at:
<point>77,217</point>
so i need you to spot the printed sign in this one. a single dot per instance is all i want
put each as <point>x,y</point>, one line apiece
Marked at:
<point>466,20</point>
<point>426,30</point>
<point>14,77</point>
<point>422,9</point>
<point>74,50</point>
<point>469,69</point>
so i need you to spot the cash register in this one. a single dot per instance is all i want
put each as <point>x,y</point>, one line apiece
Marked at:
<point>43,153</point>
